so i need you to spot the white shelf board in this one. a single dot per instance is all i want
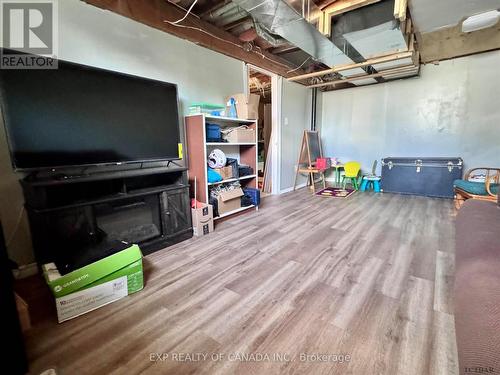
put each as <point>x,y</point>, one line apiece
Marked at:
<point>233,212</point>
<point>229,119</point>
<point>231,144</point>
<point>232,180</point>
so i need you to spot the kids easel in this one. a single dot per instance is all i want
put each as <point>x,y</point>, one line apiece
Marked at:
<point>310,150</point>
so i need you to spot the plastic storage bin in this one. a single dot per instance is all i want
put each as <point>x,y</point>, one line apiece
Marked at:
<point>254,195</point>
<point>213,133</point>
<point>207,108</point>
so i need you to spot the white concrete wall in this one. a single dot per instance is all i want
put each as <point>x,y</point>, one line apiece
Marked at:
<point>451,110</point>
<point>91,36</point>
<point>295,117</point>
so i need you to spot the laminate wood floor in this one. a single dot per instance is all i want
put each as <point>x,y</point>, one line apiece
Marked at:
<point>305,285</point>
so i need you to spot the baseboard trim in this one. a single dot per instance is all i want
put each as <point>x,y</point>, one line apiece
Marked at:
<point>25,271</point>
<point>287,190</point>
<point>300,186</point>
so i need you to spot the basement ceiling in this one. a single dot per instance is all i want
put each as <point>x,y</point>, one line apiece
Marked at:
<point>333,40</point>
<point>329,44</point>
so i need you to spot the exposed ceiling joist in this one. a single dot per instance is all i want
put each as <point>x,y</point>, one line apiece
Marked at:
<point>212,7</point>
<point>241,21</point>
<point>386,73</point>
<point>284,49</point>
<point>340,68</point>
<point>155,13</point>
<point>342,6</point>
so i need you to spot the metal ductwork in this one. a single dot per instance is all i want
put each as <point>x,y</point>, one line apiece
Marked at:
<point>268,37</point>
<point>281,19</point>
<point>370,31</point>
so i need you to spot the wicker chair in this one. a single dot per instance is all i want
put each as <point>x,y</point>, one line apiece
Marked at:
<point>486,191</point>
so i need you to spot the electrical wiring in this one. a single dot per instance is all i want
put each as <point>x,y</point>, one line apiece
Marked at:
<point>187,14</point>
<point>224,40</point>
<point>300,66</point>
<point>16,228</point>
<point>205,32</point>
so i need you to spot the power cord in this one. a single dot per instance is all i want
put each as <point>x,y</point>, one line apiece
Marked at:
<point>187,14</point>
<point>176,23</point>
<point>16,228</point>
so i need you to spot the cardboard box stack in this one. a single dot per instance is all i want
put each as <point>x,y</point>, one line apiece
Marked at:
<point>203,219</point>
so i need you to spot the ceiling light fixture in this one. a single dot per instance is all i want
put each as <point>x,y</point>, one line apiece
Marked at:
<point>480,21</point>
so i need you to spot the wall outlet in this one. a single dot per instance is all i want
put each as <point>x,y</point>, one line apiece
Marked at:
<point>285,121</point>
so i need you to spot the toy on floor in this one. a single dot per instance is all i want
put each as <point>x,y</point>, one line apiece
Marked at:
<point>335,192</point>
<point>371,180</point>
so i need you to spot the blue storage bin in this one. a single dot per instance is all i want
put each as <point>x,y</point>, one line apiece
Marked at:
<point>213,133</point>
<point>254,195</point>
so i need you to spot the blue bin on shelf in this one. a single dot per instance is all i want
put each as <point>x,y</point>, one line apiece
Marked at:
<point>254,195</point>
<point>213,132</point>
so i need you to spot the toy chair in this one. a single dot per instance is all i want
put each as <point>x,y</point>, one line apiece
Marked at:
<point>371,179</point>
<point>485,188</point>
<point>351,171</point>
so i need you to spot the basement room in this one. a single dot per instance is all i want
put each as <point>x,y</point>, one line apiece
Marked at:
<point>250,187</point>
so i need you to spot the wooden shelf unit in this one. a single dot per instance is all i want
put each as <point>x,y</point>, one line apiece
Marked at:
<point>198,149</point>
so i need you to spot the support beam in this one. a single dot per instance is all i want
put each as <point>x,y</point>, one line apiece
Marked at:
<point>340,68</point>
<point>154,13</point>
<point>388,73</point>
<point>451,43</point>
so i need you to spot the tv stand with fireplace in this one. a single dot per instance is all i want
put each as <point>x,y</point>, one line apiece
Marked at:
<point>147,206</point>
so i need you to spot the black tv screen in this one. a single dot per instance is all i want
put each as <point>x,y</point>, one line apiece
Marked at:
<point>79,115</point>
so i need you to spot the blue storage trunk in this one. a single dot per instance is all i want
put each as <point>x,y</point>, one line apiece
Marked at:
<point>432,177</point>
<point>254,195</point>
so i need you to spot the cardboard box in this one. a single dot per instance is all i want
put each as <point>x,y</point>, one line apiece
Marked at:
<point>247,107</point>
<point>225,172</point>
<point>239,135</point>
<point>96,284</point>
<point>229,201</point>
<point>203,220</point>
<point>23,312</point>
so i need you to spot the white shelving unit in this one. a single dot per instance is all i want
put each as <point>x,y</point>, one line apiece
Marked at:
<point>198,149</point>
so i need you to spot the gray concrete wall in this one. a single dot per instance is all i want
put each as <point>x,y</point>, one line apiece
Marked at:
<point>453,109</point>
<point>91,36</point>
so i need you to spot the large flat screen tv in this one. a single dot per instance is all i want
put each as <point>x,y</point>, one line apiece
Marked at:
<point>79,115</point>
